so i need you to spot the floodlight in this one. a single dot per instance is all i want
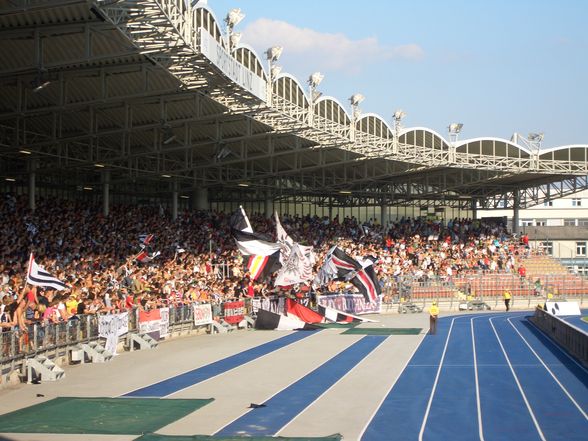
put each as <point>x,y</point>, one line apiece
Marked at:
<point>455,128</point>
<point>234,39</point>
<point>275,71</point>
<point>356,99</point>
<point>234,17</point>
<point>39,84</point>
<point>274,53</point>
<point>315,79</point>
<point>537,137</point>
<point>399,115</point>
<point>344,192</point>
<point>168,134</point>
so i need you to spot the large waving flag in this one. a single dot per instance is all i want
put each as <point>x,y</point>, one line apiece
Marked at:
<point>248,242</point>
<point>260,267</point>
<point>339,265</point>
<point>297,260</point>
<point>38,276</point>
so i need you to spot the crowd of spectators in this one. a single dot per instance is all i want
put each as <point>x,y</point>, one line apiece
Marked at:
<point>199,262</point>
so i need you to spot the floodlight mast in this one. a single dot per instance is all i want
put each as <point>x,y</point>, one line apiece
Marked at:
<point>273,55</point>
<point>314,80</point>
<point>454,131</point>
<point>233,18</point>
<point>398,117</point>
<point>356,99</point>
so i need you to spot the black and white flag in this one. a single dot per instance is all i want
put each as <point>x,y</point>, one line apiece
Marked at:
<point>36,275</point>
<point>248,242</point>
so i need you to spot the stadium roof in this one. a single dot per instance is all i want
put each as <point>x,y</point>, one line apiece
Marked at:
<point>150,91</point>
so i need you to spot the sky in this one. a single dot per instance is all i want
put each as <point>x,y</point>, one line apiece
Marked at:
<point>498,67</point>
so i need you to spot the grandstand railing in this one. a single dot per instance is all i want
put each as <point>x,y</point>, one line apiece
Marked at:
<point>55,339</point>
<point>486,286</point>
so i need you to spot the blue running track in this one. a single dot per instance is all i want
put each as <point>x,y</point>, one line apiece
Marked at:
<point>489,377</point>
<point>283,407</point>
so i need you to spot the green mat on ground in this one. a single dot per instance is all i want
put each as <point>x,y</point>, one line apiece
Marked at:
<point>115,416</point>
<point>337,325</point>
<point>384,331</point>
<point>156,437</point>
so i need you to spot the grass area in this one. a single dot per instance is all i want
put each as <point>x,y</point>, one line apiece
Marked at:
<point>384,331</point>
<point>585,319</point>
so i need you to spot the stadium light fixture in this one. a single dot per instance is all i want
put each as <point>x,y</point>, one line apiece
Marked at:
<point>536,137</point>
<point>243,184</point>
<point>234,39</point>
<point>455,128</point>
<point>399,115</point>
<point>10,179</point>
<point>234,17</point>
<point>99,165</point>
<point>315,79</point>
<point>166,176</point>
<point>88,188</point>
<point>356,99</point>
<point>274,53</point>
<point>275,71</point>
<point>25,152</point>
<point>344,191</point>
<point>316,95</point>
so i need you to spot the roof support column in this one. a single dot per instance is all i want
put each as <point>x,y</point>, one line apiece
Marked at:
<point>269,205</point>
<point>32,183</point>
<point>384,216</point>
<point>515,211</point>
<point>105,192</point>
<point>474,208</point>
<point>175,201</point>
<point>200,199</point>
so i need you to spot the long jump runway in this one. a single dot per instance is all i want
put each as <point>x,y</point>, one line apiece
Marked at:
<point>482,377</point>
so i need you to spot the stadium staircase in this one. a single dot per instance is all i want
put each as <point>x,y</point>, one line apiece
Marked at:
<point>93,351</point>
<point>41,368</point>
<point>140,341</point>
<point>554,277</point>
<point>221,327</point>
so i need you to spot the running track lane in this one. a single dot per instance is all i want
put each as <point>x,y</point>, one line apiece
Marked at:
<point>285,405</point>
<point>190,378</point>
<point>503,411</point>
<point>401,413</point>
<point>558,417</point>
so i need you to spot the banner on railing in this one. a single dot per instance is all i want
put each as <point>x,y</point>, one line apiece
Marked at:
<point>350,303</point>
<point>111,327</point>
<point>273,304</point>
<point>154,322</point>
<point>164,329</point>
<point>234,312</point>
<point>202,314</point>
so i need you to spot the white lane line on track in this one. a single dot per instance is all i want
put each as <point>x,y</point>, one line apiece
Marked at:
<point>286,387</point>
<point>390,388</point>
<point>216,361</point>
<point>327,390</point>
<point>424,423</point>
<point>478,403</point>
<point>549,370</point>
<point>518,382</point>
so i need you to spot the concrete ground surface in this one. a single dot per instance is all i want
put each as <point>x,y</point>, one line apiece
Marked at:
<point>357,393</point>
<point>345,405</point>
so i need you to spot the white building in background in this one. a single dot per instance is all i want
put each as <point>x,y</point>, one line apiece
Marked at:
<point>559,227</point>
